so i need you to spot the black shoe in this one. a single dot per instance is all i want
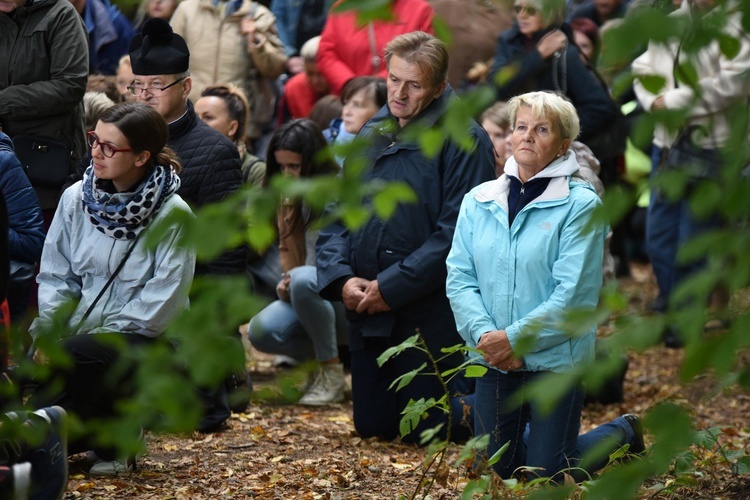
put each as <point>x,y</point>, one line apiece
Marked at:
<point>671,338</point>
<point>49,461</point>
<point>637,446</point>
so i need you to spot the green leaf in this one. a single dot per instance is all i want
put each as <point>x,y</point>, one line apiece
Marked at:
<point>741,466</point>
<point>495,458</point>
<point>387,200</point>
<point>475,371</point>
<point>728,45</point>
<point>652,83</point>
<point>410,343</point>
<point>403,380</point>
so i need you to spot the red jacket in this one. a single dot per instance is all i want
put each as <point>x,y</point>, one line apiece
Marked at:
<point>345,50</point>
<point>299,96</point>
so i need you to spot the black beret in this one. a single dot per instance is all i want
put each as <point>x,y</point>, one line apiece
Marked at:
<point>157,50</point>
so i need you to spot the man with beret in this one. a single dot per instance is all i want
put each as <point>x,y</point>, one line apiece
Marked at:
<point>210,162</point>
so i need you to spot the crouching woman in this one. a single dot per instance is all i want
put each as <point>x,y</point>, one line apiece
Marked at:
<point>525,251</point>
<point>95,256</point>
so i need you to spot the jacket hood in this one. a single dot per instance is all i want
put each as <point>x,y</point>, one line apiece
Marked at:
<point>563,166</point>
<point>563,173</point>
<point>5,143</point>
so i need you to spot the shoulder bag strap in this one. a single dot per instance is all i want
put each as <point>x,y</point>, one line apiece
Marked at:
<point>110,280</point>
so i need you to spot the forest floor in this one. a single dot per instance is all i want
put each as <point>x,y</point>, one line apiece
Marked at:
<point>280,451</point>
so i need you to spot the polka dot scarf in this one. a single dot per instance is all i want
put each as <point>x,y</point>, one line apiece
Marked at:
<point>123,215</point>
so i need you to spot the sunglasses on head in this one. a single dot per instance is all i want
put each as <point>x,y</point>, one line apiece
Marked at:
<point>528,9</point>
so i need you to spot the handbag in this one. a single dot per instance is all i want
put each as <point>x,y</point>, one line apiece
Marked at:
<point>46,161</point>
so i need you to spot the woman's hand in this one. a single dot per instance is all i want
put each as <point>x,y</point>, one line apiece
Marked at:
<point>551,43</point>
<point>282,289</point>
<point>498,352</point>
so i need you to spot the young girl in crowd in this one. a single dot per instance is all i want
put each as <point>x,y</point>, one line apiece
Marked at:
<point>111,291</point>
<point>361,97</point>
<point>300,324</point>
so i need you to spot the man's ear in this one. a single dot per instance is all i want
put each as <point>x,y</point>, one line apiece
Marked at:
<point>142,158</point>
<point>187,86</point>
<point>440,89</point>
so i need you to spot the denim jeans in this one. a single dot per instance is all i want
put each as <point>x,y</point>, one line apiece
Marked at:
<point>552,442</point>
<point>669,225</point>
<point>306,327</point>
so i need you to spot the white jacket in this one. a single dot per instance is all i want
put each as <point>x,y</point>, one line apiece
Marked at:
<point>722,82</point>
<point>77,260</point>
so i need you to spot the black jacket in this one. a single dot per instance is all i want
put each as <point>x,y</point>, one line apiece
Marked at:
<point>596,109</point>
<point>407,252</point>
<point>44,67</point>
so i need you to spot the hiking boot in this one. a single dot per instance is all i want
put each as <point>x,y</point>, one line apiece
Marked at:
<point>328,387</point>
<point>637,446</point>
<point>49,460</point>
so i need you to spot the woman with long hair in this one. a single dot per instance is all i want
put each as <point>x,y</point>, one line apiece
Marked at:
<point>300,324</point>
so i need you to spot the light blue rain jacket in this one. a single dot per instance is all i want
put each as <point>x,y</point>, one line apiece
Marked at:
<point>523,278</point>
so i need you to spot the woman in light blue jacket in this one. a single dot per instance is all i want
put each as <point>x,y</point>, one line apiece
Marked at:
<point>100,223</point>
<point>524,254</point>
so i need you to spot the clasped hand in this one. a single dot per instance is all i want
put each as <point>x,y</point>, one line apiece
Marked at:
<point>498,352</point>
<point>363,295</point>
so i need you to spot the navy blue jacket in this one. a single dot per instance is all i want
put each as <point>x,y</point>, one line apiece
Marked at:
<point>596,109</point>
<point>407,252</point>
<point>109,33</point>
<point>25,224</point>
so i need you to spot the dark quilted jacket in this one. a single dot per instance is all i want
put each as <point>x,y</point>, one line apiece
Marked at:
<point>211,167</point>
<point>211,170</point>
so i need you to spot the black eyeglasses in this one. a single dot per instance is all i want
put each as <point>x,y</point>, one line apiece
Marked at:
<point>528,9</point>
<point>154,90</point>
<point>107,149</point>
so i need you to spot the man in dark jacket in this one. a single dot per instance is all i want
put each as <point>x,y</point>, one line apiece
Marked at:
<point>210,162</point>
<point>390,274</point>
<point>43,70</point>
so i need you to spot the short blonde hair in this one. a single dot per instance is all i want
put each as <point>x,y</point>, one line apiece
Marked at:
<point>309,51</point>
<point>94,105</point>
<point>548,105</point>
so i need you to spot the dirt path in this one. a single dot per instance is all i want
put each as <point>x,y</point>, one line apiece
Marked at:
<point>287,451</point>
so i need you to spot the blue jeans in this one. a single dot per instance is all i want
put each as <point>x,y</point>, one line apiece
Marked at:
<point>552,442</point>
<point>669,225</point>
<point>306,327</point>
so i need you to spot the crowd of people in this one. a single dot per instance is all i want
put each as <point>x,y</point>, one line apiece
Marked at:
<point>111,122</point>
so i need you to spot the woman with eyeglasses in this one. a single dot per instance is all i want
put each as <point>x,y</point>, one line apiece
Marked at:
<point>539,53</point>
<point>104,291</point>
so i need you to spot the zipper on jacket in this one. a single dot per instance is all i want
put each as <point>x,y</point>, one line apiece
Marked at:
<point>518,201</point>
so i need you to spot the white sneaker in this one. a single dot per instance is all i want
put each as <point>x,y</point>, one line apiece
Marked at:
<point>328,387</point>
<point>113,467</point>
